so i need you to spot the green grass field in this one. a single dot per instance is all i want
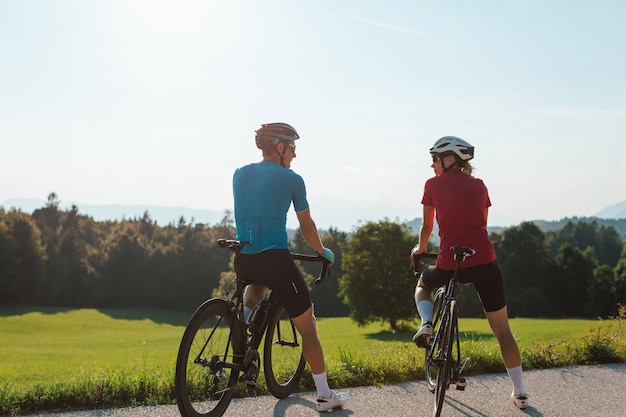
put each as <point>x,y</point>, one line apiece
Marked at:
<point>55,350</point>
<point>50,345</point>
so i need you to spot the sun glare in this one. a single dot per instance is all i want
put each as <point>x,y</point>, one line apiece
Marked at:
<point>175,19</point>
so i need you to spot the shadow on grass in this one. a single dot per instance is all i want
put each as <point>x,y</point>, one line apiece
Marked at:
<point>20,311</point>
<point>407,336</point>
<point>174,318</point>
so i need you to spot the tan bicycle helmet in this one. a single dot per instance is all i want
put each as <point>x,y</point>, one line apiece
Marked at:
<point>274,133</point>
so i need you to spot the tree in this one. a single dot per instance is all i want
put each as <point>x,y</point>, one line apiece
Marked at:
<point>325,296</point>
<point>123,269</point>
<point>601,292</point>
<point>575,269</point>
<point>605,240</point>
<point>620,279</point>
<point>527,270</point>
<point>73,254</point>
<point>23,278</point>
<point>377,283</point>
<point>9,277</point>
<point>609,246</point>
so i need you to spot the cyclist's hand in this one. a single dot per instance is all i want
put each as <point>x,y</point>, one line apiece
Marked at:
<point>416,251</point>
<point>328,255</point>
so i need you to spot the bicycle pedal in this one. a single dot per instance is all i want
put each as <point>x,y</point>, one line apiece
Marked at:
<point>461,384</point>
<point>249,383</point>
<point>251,389</point>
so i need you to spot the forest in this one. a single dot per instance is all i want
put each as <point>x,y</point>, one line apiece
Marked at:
<point>62,258</point>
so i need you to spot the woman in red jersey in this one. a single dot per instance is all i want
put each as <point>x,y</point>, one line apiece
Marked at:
<point>460,203</point>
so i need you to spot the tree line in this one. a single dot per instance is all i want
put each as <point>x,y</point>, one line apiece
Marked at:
<point>61,258</point>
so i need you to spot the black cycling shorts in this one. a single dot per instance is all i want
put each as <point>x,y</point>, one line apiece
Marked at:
<point>487,279</point>
<point>276,270</point>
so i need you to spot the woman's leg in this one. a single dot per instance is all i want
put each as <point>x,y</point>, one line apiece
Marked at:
<point>499,322</point>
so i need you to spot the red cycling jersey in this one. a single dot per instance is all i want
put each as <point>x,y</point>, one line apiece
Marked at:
<point>460,202</point>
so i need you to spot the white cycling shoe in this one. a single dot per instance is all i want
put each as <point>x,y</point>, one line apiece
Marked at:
<point>422,337</point>
<point>336,400</point>
<point>521,400</point>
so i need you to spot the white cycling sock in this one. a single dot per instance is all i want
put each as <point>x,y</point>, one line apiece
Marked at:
<point>425,310</point>
<point>246,314</point>
<point>321,384</point>
<point>516,378</point>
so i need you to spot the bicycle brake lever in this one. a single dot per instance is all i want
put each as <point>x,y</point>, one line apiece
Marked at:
<point>325,271</point>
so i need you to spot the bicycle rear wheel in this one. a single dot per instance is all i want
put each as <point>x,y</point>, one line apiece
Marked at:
<point>283,362</point>
<point>430,366</point>
<point>204,381</point>
<point>445,355</point>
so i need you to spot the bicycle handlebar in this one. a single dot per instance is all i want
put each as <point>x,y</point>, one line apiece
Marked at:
<point>426,255</point>
<point>416,260</point>
<point>315,258</point>
<point>236,246</point>
<point>460,253</point>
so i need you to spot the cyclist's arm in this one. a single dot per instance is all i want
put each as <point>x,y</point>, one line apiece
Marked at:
<point>428,218</point>
<point>309,230</point>
<point>486,215</point>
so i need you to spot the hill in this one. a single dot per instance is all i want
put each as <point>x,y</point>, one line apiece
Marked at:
<point>614,215</point>
<point>615,211</point>
<point>110,212</point>
<point>545,226</point>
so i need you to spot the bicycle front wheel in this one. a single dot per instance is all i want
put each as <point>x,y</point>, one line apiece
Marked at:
<point>430,366</point>
<point>205,379</point>
<point>444,356</point>
<point>283,362</point>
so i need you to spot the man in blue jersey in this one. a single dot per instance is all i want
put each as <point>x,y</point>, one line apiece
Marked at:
<point>263,193</point>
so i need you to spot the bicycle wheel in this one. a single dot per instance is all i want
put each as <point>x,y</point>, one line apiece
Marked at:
<point>430,366</point>
<point>445,356</point>
<point>283,362</point>
<point>204,382</point>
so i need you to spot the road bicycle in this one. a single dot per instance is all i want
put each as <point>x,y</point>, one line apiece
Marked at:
<point>219,350</point>
<point>442,361</point>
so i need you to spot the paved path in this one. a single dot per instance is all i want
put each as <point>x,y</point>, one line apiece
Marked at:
<point>590,391</point>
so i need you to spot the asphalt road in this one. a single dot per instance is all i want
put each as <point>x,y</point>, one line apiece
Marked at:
<point>590,391</point>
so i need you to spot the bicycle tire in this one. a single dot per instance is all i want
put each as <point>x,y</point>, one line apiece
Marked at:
<point>283,361</point>
<point>443,376</point>
<point>430,368</point>
<point>203,387</point>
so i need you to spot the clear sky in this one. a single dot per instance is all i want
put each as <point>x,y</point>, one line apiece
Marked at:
<point>156,102</point>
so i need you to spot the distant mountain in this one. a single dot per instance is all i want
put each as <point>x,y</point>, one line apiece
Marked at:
<point>614,215</point>
<point>616,211</point>
<point>103,212</point>
<point>544,225</point>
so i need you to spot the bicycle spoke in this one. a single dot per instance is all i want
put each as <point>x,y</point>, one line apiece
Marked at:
<point>283,362</point>
<point>206,367</point>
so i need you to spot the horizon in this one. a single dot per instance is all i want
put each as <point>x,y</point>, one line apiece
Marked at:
<point>134,102</point>
<point>164,215</point>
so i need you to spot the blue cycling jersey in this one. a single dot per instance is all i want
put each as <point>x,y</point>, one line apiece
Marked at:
<point>263,193</point>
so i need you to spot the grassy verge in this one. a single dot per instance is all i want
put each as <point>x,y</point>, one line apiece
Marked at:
<point>68,359</point>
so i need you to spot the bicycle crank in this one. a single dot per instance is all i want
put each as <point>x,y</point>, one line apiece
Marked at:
<point>463,364</point>
<point>250,368</point>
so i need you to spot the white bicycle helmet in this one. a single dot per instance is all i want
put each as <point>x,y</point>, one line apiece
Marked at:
<point>447,144</point>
